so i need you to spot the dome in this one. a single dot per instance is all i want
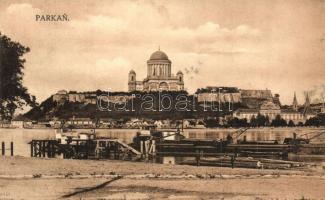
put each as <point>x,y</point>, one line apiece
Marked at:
<point>158,55</point>
<point>179,72</point>
<point>132,72</point>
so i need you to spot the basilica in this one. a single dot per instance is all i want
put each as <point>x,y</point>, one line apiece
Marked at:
<point>159,76</point>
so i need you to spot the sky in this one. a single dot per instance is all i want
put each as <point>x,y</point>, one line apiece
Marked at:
<point>249,44</point>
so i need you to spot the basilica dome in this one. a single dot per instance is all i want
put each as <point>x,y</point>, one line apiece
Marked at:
<point>159,55</point>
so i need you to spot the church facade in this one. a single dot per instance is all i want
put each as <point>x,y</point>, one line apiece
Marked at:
<point>159,76</point>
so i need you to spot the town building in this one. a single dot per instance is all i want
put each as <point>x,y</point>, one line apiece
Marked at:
<point>219,94</point>
<point>271,110</point>
<point>247,98</point>
<point>63,96</point>
<point>159,76</point>
<point>254,98</point>
<point>60,97</point>
<point>81,122</point>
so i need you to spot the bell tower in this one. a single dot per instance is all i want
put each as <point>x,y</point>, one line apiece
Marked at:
<point>132,81</point>
<point>295,103</point>
<point>180,80</point>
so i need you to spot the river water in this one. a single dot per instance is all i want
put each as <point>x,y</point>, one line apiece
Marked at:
<point>21,137</point>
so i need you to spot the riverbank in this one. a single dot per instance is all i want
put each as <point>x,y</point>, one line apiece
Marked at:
<point>37,178</point>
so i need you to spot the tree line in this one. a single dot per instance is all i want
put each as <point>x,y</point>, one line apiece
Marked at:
<point>263,121</point>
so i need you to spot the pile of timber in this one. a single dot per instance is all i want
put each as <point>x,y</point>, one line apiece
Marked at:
<point>245,162</point>
<point>190,147</point>
<point>260,150</point>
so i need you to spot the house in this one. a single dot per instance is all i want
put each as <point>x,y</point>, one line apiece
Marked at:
<point>55,123</point>
<point>42,124</point>
<point>81,122</point>
<point>271,110</point>
<point>5,124</point>
<point>159,124</point>
<point>166,123</point>
<point>200,123</point>
<point>134,123</point>
<point>106,123</point>
<point>189,123</point>
<point>17,123</point>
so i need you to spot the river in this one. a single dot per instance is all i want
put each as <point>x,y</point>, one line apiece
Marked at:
<point>21,137</point>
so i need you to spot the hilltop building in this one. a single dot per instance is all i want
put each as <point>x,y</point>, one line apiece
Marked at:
<point>159,76</point>
<point>218,94</point>
<point>248,98</point>
<point>271,109</point>
<point>63,96</point>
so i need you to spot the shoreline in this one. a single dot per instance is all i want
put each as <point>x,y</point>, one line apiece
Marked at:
<point>43,178</point>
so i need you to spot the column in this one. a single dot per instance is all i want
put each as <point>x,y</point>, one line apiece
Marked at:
<point>150,70</point>
<point>163,68</point>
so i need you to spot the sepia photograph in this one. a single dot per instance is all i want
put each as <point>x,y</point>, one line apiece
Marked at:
<point>162,99</point>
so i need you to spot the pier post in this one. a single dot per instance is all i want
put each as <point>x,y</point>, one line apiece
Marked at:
<point>154,147</point>
<point>32,148</point>
<point>77,148</point>
<point>115,151</point>
<point>52,150</point>
<point>87,148</point>
<point>141,147</point>
<point>44,149</point>
<point>35,149</point>
<point>48,149</point>
<point>3,148</point>
<point>197,157</point>
<point>11,148</point>
<point>38,149</point>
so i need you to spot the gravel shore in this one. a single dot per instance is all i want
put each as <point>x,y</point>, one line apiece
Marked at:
<point>38,178</point>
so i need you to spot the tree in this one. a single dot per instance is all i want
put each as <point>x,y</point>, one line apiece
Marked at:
<point>211,123</point>
<point>291,124</point>
<point>13,94</point>
<point>313,121</point>
<point>278,121</point>
<point>267,121</point>
<point>235,122</point>
<point>261,120</point>
<point>300,124</point>
<point>253,122</point>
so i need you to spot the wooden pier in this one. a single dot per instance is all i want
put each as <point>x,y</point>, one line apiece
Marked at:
<point>164,144</point>
<point>101,148</point>
<point>43,148</point>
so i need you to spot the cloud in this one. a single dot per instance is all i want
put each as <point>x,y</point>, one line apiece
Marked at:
<point>104,40</point>
<point>112,67</point>
<point>21,9</point>
<point>124,31</point>
<point>99,23</point>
